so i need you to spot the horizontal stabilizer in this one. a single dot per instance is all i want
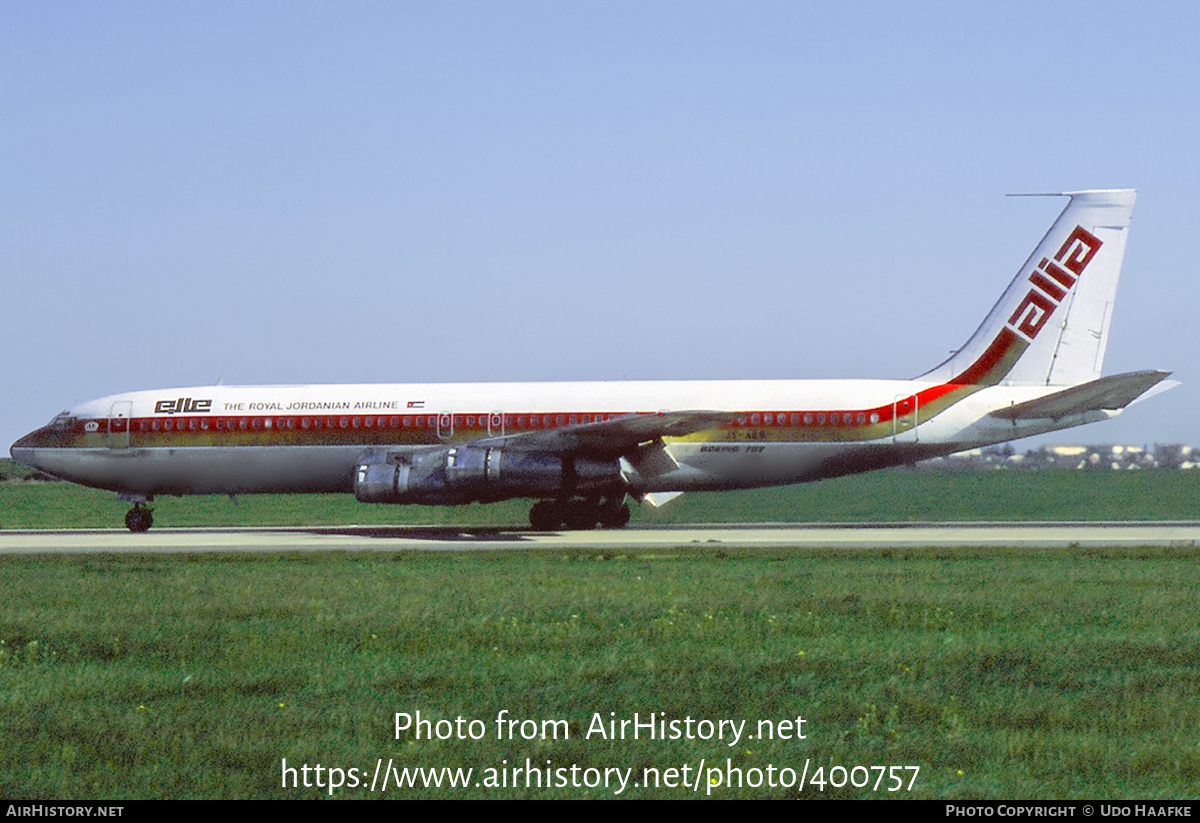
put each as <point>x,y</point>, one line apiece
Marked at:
<point>1106,394</point>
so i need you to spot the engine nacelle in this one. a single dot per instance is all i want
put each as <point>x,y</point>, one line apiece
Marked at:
<point>463,474</point>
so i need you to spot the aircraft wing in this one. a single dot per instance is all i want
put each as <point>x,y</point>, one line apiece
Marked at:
<point>1108,394</point>
<point>612,438</point>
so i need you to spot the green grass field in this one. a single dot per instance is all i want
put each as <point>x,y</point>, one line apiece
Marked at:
<point>879,497</point>
<point>1000,674</point>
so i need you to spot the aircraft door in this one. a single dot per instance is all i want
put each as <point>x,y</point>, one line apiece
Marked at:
<point>445,425</point>
<point>118,424</point>
<point>904,419</point>
<point>495,423</point>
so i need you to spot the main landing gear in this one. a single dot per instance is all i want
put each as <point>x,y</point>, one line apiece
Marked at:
<point>139,518</point>
<point>549,515</point>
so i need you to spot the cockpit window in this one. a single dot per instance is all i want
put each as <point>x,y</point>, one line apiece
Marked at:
<point>63,422</point>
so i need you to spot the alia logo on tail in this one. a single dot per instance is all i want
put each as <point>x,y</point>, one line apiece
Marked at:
<point>1052,282</point>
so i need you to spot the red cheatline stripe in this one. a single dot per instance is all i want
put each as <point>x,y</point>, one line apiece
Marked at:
<point>974,374</point>
<point>318,425</point>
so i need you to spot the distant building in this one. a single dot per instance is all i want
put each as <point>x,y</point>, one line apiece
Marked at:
<point>1103,457</point>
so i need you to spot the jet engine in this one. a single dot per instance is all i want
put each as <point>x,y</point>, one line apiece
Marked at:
<point>463,474</point>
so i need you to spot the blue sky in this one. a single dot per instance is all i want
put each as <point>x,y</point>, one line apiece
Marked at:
<point>457,191</point>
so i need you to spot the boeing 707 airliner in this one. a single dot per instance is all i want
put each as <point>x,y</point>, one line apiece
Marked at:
<point>581,449</point>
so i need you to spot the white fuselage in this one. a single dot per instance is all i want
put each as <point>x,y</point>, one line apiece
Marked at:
<point>246,439</point>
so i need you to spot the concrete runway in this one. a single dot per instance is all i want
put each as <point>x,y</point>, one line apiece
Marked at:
<point>449,538</point>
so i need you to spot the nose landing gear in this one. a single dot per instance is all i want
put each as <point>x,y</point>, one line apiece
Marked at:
<point>139,518</point>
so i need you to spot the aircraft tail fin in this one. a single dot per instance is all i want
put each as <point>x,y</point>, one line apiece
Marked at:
<point>1050,327</point>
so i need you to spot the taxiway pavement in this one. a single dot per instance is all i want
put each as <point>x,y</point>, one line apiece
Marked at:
<point>450,538</point>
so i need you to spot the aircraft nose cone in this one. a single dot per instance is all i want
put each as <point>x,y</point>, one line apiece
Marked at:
<point>25,449</point>
<point>22,445</point>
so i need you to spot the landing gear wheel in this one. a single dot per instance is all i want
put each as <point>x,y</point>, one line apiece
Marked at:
<point>577,515</point>
<point>582,515</point>
<point>138,519</point>
<point>545,516</point>
<point>614,516</point>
